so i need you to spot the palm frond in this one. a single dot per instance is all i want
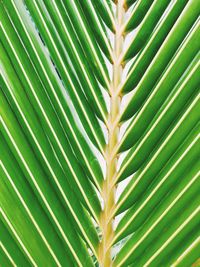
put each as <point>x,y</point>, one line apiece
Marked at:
<point>99,133</point>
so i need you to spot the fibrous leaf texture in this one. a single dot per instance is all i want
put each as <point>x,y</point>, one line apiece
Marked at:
<point>99,133</point>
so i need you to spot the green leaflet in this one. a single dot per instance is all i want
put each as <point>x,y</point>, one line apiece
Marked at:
<point>171,244</point>
<point>127,198</point>
<point>162,154</point>
<point>23,227</point>
<point>66,155</point>
<point>16,181</point>
<point>162,58</point>
<point>76,54</point>
<point>144,58</point>
<point>84,111</point>
<point>5,258</point>
<point>145,29</point>
<point>38,179</point>
<point>43,151</point>
<point>57,95</point>
<point>189,255</point>
<point>185,226</point>
<point>129,2</point>
<point>10,248</point>
<point>87,40</point>
<point>97,27</point>
<point>186,193</point>
<point>45,112</point>
<point>93,172</point>
<point>165,181</point>
<point>162,91</point>
<point>103,8</point>
<point>134,160</point>
<point>137,15</point>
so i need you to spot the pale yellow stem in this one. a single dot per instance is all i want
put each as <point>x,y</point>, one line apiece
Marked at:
<point>108,191</point>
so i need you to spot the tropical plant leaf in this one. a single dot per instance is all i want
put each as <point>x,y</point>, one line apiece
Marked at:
<point>99,133</point>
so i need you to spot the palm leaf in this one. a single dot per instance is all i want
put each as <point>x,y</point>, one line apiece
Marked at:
<point>99,133</point>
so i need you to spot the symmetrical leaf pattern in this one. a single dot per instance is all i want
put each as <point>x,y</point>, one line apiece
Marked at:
<point>99,133</point>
